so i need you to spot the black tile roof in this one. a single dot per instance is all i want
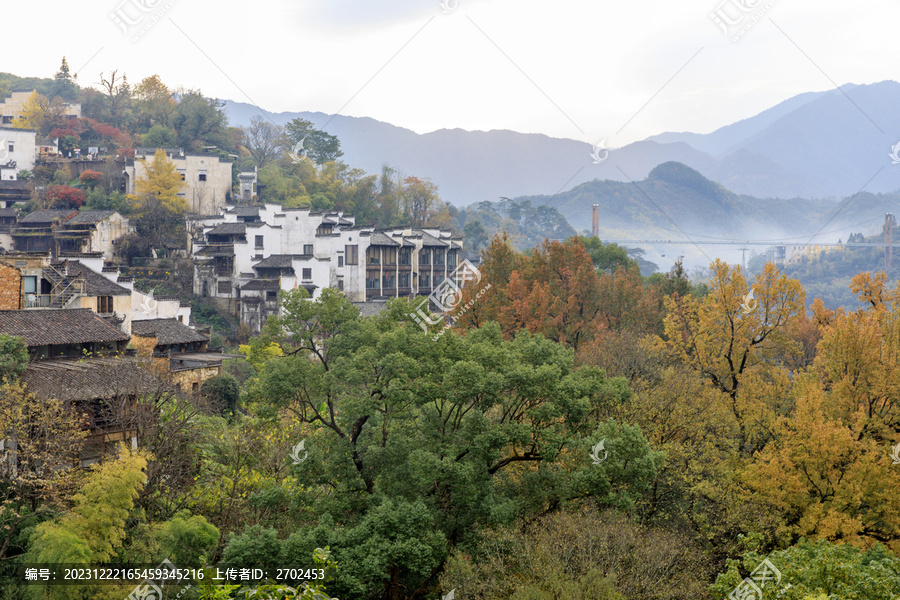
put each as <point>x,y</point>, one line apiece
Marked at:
<point>46,216</point>
<point>95,284</point>
<point>275,261</point>
<point>89,217</point>
<point>228,229</point>
<point>381,239</point>
<point>261,285</point>
<point>91,378</point>
<point>58,326</point>
<point>245,211</point>
<point>430,240</point>
<point>167,331</point>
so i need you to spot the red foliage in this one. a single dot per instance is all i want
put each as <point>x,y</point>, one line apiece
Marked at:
<point>64,196</point>
<point>90,178</point>
<point>556,291</point>
<point>92,133</point>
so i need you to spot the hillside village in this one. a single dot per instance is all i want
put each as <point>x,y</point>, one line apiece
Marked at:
<point>65,290</point>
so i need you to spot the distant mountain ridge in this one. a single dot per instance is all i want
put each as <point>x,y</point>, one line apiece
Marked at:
<point>676,202</point>
<point>814,145</point>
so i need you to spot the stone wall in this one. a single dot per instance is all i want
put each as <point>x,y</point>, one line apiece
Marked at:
<point>10,287</point>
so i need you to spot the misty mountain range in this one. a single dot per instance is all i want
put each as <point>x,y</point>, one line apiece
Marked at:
<point>813,145</point>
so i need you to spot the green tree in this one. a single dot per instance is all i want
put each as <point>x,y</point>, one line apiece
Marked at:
<point>63,86</point>
<point>223,391</point>
<point>475,236</point>
<point>13,356</point>
<point>818,570</point>
<point>607,257</point>
<point>199,122</point>
<point>473,428</point>
<point>186,538</point>
<point>94,530</point>
<point>159,136</point>
<point>321,147</point>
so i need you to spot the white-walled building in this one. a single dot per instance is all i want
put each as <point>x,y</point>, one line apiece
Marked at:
<point>17,152</point>
<point>208,178</point>
<point>248,256</point>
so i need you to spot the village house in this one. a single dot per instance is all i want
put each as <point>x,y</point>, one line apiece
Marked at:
<point>17,151</point>
<point>70,231</point>
<point>208,177</point>
<point>245,257</point>
<point>77,357</point>
<point>80,280</point>
<point>177,353</point>
<point>11,107</point>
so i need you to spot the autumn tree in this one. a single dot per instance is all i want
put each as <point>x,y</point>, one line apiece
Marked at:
<point>41,114</point>
<point>555,290</point>
<point>40,441</point>
<point>156,202</point>
<point>730,333</point>
<point>154,102</point>
<point>420,200</point>
<point>823,477</point>
<point>65,196</point>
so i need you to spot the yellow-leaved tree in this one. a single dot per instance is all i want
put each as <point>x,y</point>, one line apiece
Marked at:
<point>156,202</point>
<point>736,335</point>
<point>160,187</point>
<point>34,112</point>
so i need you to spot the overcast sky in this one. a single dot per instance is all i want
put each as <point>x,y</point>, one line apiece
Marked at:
<point>585,69</point>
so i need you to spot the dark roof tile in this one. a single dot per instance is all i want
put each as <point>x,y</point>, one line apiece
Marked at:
<point>58,326</point>
<point>95,284</point>
<point>46,216</point>
<point>91,378</point>
<point>89,217</point>
<point>381,239</point>
<point>167,331</point>
<point>275,261</point>
<point>228,229</point>
<point>261,285</point>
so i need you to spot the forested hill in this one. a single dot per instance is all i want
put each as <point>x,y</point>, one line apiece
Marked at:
<point>675,200</point>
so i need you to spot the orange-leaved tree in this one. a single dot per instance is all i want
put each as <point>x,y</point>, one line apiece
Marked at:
<point>555,290</point>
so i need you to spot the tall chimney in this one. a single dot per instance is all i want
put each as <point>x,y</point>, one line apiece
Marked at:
<point>595,221</point>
